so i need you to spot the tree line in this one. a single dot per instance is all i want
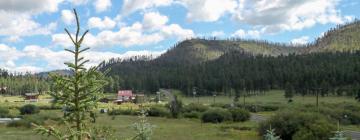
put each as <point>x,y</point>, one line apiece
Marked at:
<point>21,83</point>
<point>327,73</point>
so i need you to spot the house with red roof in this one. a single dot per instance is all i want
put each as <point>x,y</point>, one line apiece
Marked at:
<point>125,96</point>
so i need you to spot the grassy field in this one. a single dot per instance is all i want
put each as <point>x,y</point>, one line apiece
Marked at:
<point>274,96</point>
<point>173,129</point>
<point>169,129</point>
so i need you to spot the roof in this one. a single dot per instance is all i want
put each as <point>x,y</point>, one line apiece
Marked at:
<point>125,93</point>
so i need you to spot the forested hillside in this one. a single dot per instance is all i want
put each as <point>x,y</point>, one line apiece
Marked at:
<point>328,65</point>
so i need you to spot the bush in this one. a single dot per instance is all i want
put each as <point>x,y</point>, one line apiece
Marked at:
<point>239,115</point>
<point>216,115</point>
<point>4,112</point>
<point>158,111</point>
<point>290,124</point>
<point>259,107</point>
<point>27,120</point>
<point>19,123</point>
<point>29,109</point>
<point>192,114</point>
<point>175,107</point>
<point>122,112</point>
<point>194,107</point>
<point>320,130</point>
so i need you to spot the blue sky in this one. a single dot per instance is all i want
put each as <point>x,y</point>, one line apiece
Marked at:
<point>32,36</point>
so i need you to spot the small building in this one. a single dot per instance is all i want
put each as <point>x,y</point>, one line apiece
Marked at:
<point>125,96</point>
<point>32,97</point>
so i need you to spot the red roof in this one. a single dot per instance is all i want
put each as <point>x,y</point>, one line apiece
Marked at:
<point>125,93</point>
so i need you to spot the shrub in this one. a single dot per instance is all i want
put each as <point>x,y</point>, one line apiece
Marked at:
<point>290,125</point>
<point>239,115</point>
<point>220,105</point>
<point>192,114</point>
<point>175,107</point>
<point>122,112</point>
<point>158,111</point>
<point>19,123</point>
<point>194,107</point>
<point>27,120</point>
<point>4,112</point>
<point>320,129</point>
<point>216,115</point>
<point>29,109</point>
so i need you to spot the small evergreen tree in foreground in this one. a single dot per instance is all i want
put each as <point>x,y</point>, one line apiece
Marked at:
<point>270,135</point>
<point>143,128</point>
<point>78,93</point>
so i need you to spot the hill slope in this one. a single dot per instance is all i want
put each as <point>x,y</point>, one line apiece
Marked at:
<point>200,50</point>
<point>342,38</point>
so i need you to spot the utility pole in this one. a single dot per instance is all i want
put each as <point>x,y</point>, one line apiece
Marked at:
<point>214,95</point>
<point>244,96</point>
<point>158,93</point>
<point>194,93</point>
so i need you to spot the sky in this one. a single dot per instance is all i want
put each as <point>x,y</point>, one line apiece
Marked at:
<point>32,37</point>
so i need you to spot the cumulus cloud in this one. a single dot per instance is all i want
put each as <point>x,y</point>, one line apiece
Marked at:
<point>280,15</point>
<point>246,34</point>
<point>208,10</point>
<point>34,54</point>
<point>300,41</point>
<point>106,23</point>
<point>154,20</point>
<point>8,55</point>
<point>67,17</point>
<point>130,6</point>
<point>23,24</point>
<point>30,6</point>
<point>151,30</point>
<point>102,5</point>
<point>78,2</point>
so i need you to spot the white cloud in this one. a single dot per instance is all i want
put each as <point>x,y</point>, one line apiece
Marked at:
<point>106,23</point>
<point>16,17</point>
<point>22,25</point>
<point>8,55</point>
<point>130,6</point>
<point>154,20</point>
<point>208,10</point>
<point>67,17</point>
<point>30,6</point>
<point>145,33</point>
<point>280,15</point>
<point>175,30</point>
<point>78,2</point>
<point>246,34</point>
<point>300,41</point>
<point>102,5</point>
<point>32,55</point>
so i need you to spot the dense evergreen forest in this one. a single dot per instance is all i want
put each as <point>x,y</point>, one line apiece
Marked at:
<point>325,73</point>
<point>21,83</point>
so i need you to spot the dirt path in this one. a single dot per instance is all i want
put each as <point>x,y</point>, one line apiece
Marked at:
<point>355,135</point>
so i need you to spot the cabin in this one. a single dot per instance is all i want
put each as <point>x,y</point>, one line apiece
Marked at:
<point>125,96</point>
<point>32,97</point>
